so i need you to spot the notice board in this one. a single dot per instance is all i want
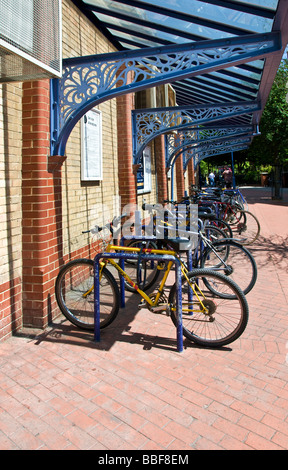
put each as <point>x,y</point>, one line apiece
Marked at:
<point>91,146</point>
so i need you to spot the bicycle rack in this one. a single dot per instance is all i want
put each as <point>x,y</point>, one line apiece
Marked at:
<point>147,238</point>
<point>122,257</point>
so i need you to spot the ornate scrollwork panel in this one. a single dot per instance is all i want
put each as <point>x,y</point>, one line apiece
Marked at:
<point>186,138</point>
<point>87,81</point>
<point>213,152</point>
<point>147,124</point>
<point>214,147</point>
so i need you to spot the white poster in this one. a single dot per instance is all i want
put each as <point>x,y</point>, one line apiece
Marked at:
<point>91,146</point>
<point>144,180</point>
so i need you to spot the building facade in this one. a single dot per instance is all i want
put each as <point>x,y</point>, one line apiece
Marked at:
<point>46,202</point>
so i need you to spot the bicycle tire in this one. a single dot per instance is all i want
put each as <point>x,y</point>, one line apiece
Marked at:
<point>234,216</point>
<point>214,233</point>
<point>143,273</point>
<point>247,230</point>
<point>224,226</point>
<point>226,318</point>
<point>75,279</point>
<point>241,200</point>
<point>234,260</point>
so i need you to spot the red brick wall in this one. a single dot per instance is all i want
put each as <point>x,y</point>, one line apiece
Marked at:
<point>161,169</point>
<point>180,177</point>
<point>127,179</point>
<point>190,171</point>
<point>42,217</point>
<point>10,307</point>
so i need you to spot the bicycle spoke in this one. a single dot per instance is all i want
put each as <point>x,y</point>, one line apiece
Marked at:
<point>219,317</point>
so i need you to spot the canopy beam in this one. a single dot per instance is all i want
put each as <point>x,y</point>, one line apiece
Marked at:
<point>88,81</point>
<point>147,124</point>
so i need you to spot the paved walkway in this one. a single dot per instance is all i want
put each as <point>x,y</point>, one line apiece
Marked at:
<point>133,390</point>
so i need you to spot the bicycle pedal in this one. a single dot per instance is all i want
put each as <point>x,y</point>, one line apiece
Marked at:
<point>142,304</point>
<point>158,309</point>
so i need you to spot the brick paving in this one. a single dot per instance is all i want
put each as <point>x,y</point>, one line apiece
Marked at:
<point>134,391</point>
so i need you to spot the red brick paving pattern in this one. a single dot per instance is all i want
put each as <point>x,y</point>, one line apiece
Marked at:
<point>60,390</point>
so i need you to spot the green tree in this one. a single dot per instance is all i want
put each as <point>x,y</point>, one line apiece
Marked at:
<point>271,147</point>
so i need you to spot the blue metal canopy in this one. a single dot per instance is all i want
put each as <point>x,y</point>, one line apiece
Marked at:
<point>135,25</point>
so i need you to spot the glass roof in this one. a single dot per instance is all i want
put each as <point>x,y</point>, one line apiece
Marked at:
<point>138,24</point>
<point>208,21</point>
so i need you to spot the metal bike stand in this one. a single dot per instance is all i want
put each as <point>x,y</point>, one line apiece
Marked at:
<point>135,256</point>
<point>151,238</point>
<point>130,237</point>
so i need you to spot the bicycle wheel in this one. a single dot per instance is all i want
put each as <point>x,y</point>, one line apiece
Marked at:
<point>241,200</point>
<point>233,260</point>
<point>208,319</point>
<point>223,226</point>
<point>74,289</point>
<point>143,272</point>
<point>247,230</point>
<point>214,233</point>
<point>234,216</point>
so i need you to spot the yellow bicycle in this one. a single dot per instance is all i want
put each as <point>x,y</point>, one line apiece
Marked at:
<point>214,308</point>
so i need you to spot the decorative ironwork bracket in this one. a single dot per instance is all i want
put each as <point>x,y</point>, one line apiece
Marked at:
<point>88,81</point>
<point>205,149</point>
<point>217,151</point>
<point>147,124</point>
<point>205,152</point>
<point>175,144</point>
<point>202,151</point>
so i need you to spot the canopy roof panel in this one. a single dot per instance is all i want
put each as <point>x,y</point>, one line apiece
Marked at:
<point>136,24</point>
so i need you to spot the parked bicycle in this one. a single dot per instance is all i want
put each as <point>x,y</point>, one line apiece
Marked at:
<point>214,309</point>
<point>214,251</point>
<point>244,225</point>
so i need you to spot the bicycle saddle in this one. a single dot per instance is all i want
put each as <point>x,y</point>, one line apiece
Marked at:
<point>205,215</point>
<point>179,244</point>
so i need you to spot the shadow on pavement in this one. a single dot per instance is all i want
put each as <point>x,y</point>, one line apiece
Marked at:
<point>273,249</point>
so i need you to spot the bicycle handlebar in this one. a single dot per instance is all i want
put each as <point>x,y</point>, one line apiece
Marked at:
<point>152,207</point>
<point>109,225</point>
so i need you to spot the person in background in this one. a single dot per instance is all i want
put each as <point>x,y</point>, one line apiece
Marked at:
<point>211,179</point>
<point>227,175</point>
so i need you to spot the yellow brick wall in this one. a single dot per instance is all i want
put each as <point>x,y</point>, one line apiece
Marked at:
<point>10,178</point>
<point>87,203</point>
<point>10,207</point>
<point>84,204</point>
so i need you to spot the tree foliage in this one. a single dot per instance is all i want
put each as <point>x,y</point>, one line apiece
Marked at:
<point>272,146</point>
<point>270,149</point>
